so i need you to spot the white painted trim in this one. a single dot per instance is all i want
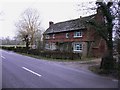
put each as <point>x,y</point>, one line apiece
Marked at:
<point>74,47</point>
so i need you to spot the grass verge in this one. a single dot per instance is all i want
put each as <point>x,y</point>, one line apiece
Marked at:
<point>97,70</point>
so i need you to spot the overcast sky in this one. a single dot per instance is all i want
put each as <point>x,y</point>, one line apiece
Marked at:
<point>50,10</point>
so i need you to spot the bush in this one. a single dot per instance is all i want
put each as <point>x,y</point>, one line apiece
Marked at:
<point>47,54</point>
<point>21,50</point>
<point>16,49</point>
<point>8,48</point>
<point>34,51</point>
<point>60,55</point>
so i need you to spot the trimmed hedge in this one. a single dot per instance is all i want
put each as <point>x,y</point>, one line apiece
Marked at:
<point>47,54</point>
<point>60,55</point>
<point>55,54</point>
<point>34,51</point>
<point>15,49</point>
<point>8,48</point>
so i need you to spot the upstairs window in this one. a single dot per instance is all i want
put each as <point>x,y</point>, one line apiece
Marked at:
<point>67,35</point>
<point>78,34</point>
<point>47,37</point>
<point>53,36</point>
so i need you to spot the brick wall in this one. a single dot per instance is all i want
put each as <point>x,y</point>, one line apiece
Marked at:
<point>61,37</point>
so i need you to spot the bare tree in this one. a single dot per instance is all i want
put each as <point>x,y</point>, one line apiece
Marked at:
<point>118,21</point>
<point>38,40</point>
<point>28,26</point>
<point>87,8</point>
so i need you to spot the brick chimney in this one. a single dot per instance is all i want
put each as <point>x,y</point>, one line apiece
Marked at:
<point>51,23</point>
<point>99,16</point>
<point>99,11</point>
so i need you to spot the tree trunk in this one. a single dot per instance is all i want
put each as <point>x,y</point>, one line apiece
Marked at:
<point>27,45</point>
<point>108,62</point>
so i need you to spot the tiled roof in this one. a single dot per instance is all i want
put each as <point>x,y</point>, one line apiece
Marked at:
<point>68,25</point>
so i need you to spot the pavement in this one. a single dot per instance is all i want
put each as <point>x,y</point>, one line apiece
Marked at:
<point>19,71</point>
<point>83,64</point>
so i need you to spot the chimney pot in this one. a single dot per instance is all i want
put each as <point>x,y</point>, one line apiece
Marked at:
<point>51,23</point>
<point>80,16</point>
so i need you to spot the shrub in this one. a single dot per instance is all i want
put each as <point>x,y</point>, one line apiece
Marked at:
<point>47,54</point>
<point>34,51</point>
<point>21,49</point>
<point>8,48</point>
<point>60,55</point>
<point>16,49</point>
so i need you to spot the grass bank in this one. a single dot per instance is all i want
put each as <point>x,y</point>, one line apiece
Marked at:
<point>95,69</point>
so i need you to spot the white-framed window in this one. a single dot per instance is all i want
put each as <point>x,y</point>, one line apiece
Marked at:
<point>53,36</point>
<point>47,36</point>
<point>50,46</point>
<point>78,33</point>
<point>67,35</point>
<point>47,46</point>
<point>78,47</point>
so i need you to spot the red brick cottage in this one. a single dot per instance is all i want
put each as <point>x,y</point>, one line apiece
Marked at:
<point>75,36</point>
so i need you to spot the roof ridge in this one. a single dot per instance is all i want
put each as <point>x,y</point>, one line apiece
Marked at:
<point>66,21</point>
<point>75,19</point>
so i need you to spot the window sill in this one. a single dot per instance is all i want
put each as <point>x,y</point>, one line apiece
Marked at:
<point>77,36</point>
<point>77,50</point>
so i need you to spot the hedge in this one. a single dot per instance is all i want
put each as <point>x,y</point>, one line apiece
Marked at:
<point>60,55</point>
<point>47,54</point>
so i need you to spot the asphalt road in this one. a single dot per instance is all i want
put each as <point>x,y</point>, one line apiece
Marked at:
<point>20,71</point>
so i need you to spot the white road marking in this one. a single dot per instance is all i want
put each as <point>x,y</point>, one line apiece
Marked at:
<point>31,71</point>
<point>2,57</point>
<point>115,80</point>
